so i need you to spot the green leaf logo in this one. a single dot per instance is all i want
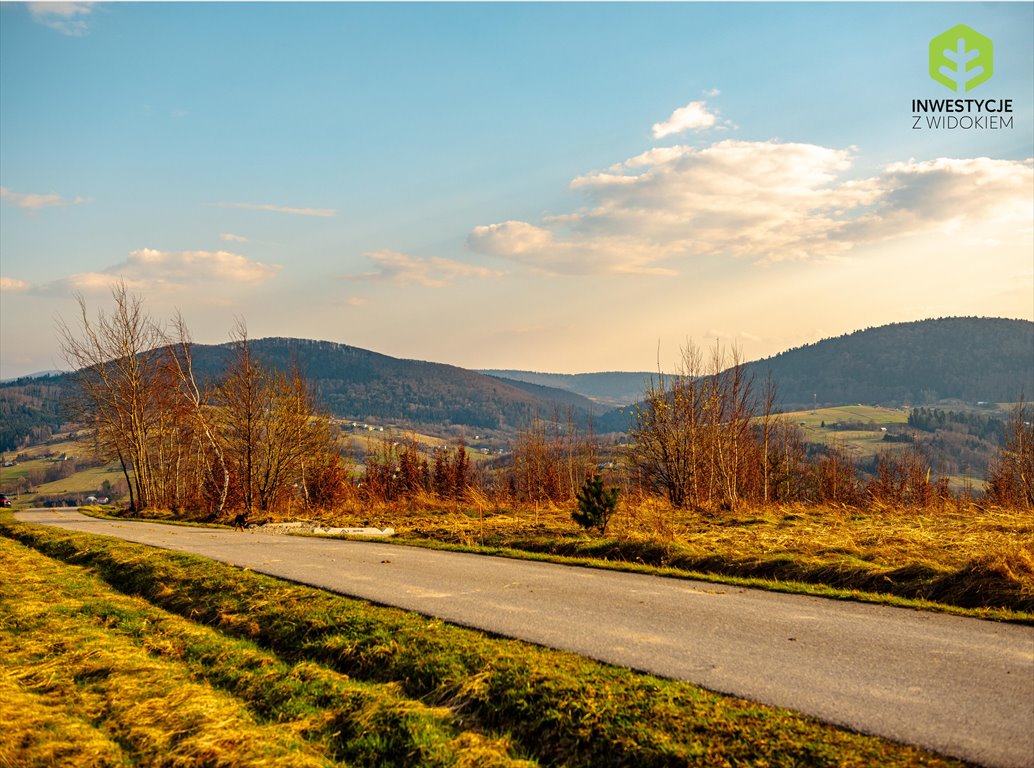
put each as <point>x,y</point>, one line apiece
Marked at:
<point>961,58</point>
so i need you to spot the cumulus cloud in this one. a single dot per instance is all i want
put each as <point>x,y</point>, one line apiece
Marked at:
<point>13,285</point>
<point>555,252</point>
<point>948,194</point>
<point>189,266</point>
<point>67,18</point>
<point>761,201</point>
<point>151,269</point>
<point>757,200</point>
<point>695,116</point>
<point>232,238</point>
<point>279,209</point>
<point>34,202</point>
<point>396,267</point>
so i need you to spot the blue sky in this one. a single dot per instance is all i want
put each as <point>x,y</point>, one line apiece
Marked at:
<point>559,187</point>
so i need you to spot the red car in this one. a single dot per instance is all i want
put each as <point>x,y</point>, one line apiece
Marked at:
<point>4,501</point>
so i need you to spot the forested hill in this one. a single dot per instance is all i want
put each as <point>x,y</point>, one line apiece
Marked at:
<point>351,383</point>
<point>958,358</point>
<point>968,359</point>
<point>359,384</point>
<point>963,358</point>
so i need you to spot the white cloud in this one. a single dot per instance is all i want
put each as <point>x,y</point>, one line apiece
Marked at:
<point>543,250</point>
<point>13,285</point>
<point>762,201</point>
<point>192,266</point>
<point>67,18</point>
<point>151,269</point>
<point>92,282</point>
<point>232,238</point>
<point>34,202</point>
<point>695,116</point>
<point>279,209</point>
<point>393,266</point>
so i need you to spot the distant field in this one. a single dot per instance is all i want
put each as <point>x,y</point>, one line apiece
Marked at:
<point>40,458</point>
<point>360,442</point>
<point>89,480</point>
<point>818,427</point>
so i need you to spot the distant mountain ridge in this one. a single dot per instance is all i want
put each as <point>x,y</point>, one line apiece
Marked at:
<point>969,359</point>
<point>612,388</point>
<point>918,363</point>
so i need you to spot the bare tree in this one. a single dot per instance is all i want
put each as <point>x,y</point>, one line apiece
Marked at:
<point>270,428</point>
<point>293,433</point>
<point>241,410</point>
<point>552,459</point>
<point>122,384</point>
<point>195,402</point>
<point>666,434</point>
<point>1010,478</point>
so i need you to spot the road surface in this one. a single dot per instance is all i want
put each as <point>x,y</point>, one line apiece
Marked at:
<point>958,686</point>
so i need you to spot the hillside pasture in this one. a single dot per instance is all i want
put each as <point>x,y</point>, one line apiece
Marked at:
<point>26,481</point>
<point>819,426</point>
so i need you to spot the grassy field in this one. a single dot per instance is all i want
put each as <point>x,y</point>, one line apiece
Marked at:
<point>118,654</point>
<point>40,458</point>
<point>820,427</point>
<point>859,443</point>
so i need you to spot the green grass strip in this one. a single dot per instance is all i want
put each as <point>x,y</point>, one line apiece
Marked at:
<point>558,707</point>
<point>359,723</point>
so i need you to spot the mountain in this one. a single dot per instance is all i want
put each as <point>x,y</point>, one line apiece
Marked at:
<point>30,406</point>
<point>355,383</point>
<point>351,383</point>
<point>33,376</point>
<point>612,388</point>
<point>970,359</point>
<point>954,358</point>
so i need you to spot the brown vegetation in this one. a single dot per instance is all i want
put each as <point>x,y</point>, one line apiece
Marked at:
<point>713,480</point>
<point>248,441</point>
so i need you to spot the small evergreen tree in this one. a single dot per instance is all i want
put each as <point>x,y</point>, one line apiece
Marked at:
<point>596,505</point>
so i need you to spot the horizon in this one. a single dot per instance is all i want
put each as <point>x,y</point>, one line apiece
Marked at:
<point>549,188</point>
<point>749,361</point>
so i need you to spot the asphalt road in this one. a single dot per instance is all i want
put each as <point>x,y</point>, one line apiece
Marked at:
<point>958,686</point>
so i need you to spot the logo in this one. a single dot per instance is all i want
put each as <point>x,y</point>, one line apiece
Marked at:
<point>961,58</point>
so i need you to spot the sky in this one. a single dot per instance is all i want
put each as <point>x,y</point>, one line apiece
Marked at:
<point>553,187</point>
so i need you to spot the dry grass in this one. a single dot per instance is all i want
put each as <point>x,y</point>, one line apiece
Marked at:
<point>93,677</point>
<point>959,554</point>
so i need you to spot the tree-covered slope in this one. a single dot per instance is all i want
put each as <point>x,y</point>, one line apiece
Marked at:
<point>360,384</point>
<point>963,358</point>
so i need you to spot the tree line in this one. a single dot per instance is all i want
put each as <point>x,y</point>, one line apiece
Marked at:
<point>705,438</point>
